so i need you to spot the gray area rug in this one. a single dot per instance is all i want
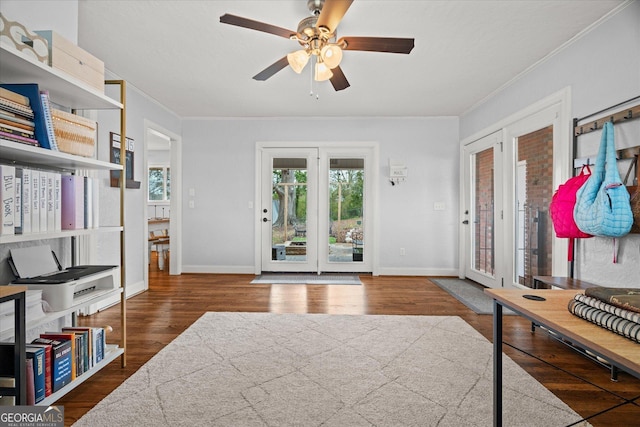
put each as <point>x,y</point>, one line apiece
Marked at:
<point>263,369</point>
<point>470,294</point>
<point>307,279</point>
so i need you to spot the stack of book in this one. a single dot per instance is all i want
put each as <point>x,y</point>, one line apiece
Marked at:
<point>16,118</point>
<point>53,360</point>
<point>616,309</point>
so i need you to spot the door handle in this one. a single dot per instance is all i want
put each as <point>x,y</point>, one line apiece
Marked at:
<point>265,220</point>
<point>466,221</point>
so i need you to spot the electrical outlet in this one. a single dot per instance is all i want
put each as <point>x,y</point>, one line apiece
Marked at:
<point>438,206</point>
<point>402,252</point>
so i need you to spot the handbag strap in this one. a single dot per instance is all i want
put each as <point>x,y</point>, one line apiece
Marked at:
<point>612,174</point>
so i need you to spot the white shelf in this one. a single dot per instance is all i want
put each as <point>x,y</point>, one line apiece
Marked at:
<point>114,351</point>
<point>70,92</point>
<point>56,160</point>
<point>16,67</point>
<point>13,238</point>
<point>92,298</point>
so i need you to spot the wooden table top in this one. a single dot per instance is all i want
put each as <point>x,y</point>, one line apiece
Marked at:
<point>7,291</point>
<point>554,313</point>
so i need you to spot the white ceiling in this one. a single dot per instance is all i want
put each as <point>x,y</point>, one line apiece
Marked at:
<point>179,53</point>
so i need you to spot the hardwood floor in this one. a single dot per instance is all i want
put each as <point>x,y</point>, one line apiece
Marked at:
<point>173,303</point>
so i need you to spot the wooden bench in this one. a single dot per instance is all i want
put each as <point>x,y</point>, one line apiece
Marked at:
<point>547,282</point>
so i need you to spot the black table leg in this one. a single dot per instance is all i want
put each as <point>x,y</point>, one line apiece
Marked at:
<point>497,364</point>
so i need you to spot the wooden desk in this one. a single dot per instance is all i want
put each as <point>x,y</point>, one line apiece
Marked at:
<point>554,314</point>
<point>17,294</point>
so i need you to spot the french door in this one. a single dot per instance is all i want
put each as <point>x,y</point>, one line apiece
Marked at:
<point>508,182</point>
<point>315,206</point>
<point>483,210</point>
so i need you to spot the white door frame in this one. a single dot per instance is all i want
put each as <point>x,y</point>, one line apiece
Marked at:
<point>175,204</point>
<point>512,126</point>
<point>371,260</point>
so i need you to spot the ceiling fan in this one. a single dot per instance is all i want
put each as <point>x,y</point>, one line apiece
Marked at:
<point>316,35</point>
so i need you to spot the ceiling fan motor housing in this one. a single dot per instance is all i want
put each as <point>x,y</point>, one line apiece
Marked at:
<point>315,6</point>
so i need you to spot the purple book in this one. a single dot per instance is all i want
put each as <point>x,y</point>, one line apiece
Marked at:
<point>72,202</point>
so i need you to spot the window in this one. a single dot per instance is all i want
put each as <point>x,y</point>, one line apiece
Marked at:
<point>159,183</point>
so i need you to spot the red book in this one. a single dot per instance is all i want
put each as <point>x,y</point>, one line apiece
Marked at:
<point>31,387</point>
<point>48,367</point>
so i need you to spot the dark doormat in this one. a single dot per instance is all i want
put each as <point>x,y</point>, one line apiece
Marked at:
<point>469,293</point>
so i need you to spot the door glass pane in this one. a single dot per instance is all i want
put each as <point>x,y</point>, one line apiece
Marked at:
<point>534,189</point>
<point>346,238</point>
<point>483,213</point>
<point>289,200</point>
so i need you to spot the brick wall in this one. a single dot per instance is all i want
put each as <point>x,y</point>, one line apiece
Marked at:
<point>536,149</point>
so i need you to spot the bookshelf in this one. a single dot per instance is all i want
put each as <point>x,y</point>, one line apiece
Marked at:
<point>15,67</point>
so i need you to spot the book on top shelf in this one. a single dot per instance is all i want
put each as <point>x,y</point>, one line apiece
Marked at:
<point>13,96</point>
<point>32,91</point>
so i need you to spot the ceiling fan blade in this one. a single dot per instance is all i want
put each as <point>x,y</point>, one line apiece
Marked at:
<point>332,13</point>
<point>338,80</point>
<point>271,69</point>
<point>256,25</point>
<point>378,44</point>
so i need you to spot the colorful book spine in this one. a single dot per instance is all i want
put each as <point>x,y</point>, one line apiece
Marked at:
<point>46,346</point>
<point>31,385</point>
<point>18,138</point>
<point>38,356</point>
<point>62,362</point>
<point>7,197</point>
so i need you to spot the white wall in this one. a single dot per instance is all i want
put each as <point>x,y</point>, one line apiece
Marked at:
<point>139,108</point>
<point>218,234</point>
<point>602,68</point>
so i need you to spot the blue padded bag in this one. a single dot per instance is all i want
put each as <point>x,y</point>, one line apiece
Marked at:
<point>602,203</point>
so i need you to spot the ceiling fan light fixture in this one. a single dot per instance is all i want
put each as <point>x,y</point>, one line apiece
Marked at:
<point>322,72</point>
<point>298,60</point>
<point>331,55</point>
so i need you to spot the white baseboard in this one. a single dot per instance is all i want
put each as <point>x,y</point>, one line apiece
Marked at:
<point>395,271</point>
<point>234,269</point>
<point>219,269</point>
